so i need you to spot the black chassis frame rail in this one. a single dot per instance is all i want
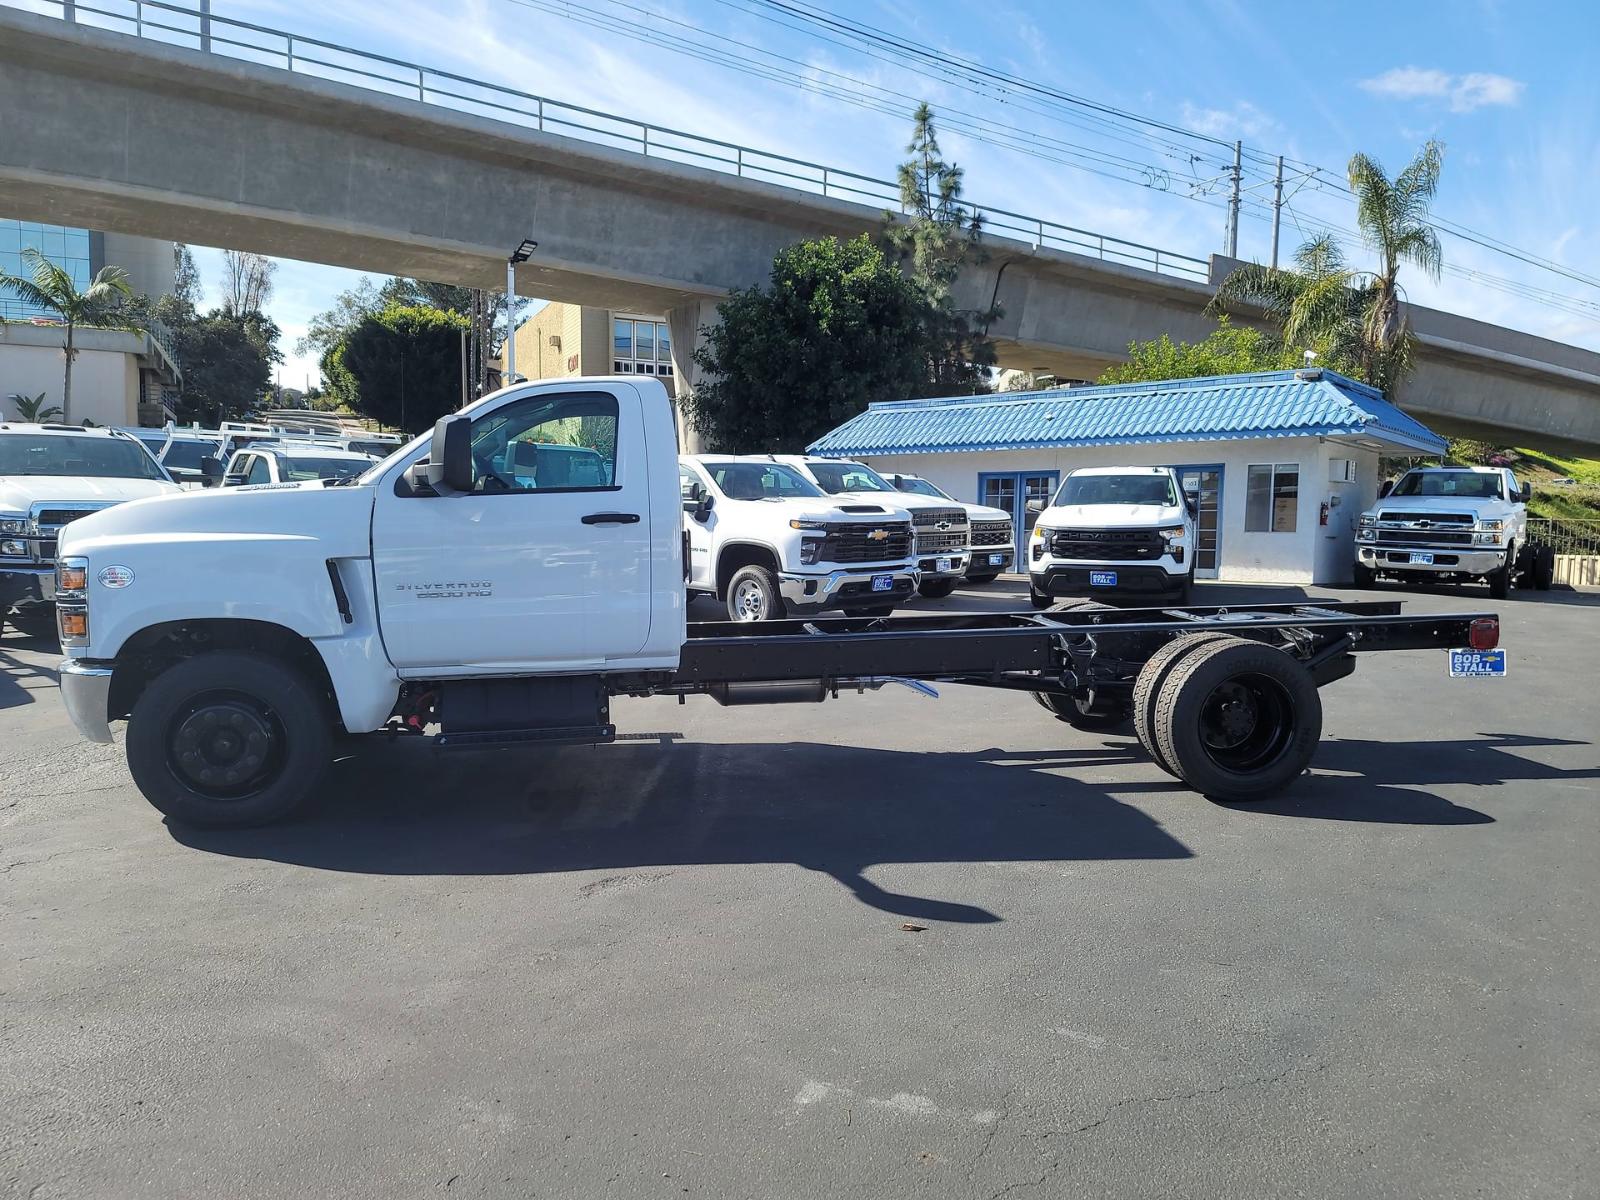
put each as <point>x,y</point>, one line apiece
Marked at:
<point>1067,650</point>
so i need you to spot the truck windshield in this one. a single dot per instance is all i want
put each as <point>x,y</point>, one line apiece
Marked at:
<point>1464,485</point>
<point>918,487</point>
<point>186,456</point>
<point>1118,489</point>
<point>63,454</point>
<point>297,468</point>
<point>848,477</point>
<point>759,481</point>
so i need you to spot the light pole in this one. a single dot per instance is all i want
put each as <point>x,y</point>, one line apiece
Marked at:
<point>521,254</point>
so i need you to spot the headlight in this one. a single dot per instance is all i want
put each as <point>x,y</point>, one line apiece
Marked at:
<point>1369,518</point>
<point>1039,531</point>
<point>1173,534</point>
<point>818,525</point>
<point>1366,534</point>
<point>13,548</point>
<point>810,549</point>
<point>1496,526</point>
<point>13,523</point>
<point>1486,539</point>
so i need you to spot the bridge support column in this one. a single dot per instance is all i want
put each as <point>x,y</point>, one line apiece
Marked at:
<point>684,321</point>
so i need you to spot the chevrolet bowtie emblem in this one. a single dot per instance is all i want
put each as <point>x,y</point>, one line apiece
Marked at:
<point>878,535</point>
<point>942,525</point>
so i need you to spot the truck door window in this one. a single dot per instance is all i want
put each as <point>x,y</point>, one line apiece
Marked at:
<point>689,485</point>
<point>260,470</point>
<point>237,470</point>
<point>546,443</point>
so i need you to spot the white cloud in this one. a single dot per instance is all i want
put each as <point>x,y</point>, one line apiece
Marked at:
<point>1476,89</point>
<point>1242,120</point>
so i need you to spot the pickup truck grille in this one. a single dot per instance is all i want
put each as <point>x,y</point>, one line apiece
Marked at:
<point>991,533</point>
<point>1432,518</point>
<point>855,543</point>
<point>1107,545</point>
<point>932,518</point>
<point>1423,537</point>
<point>47,521</point>
<point>940,543</point>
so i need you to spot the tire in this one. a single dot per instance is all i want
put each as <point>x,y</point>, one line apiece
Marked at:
<point>1364,576</point>
<point>882,610</point>
<point>1038,599</point>
<point>36,621</point>
<point>935,589</point>
<point>1091,716</point>
<point>224,710</point>
<point>1238,720</point>
<point>1185,592</point>
<point>1503,580</point>
<point>984,578</point>
<point>1544,568</point>
<point>753,596</point>
<point>1157,668</point>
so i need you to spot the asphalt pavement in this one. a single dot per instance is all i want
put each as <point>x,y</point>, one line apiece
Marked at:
<point>679,965</point>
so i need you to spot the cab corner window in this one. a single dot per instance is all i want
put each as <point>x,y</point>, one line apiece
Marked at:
<point>560,443</point>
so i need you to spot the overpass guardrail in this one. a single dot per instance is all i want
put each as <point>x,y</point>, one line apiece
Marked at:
<point>193,28</point>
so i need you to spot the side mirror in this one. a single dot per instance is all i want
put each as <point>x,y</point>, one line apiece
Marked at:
<point>210,470</point>
<point>1035,507</point>
<point>1385,488</point>
<point>450,454</point>
<point>702,510</point>
<point>1527,492</point>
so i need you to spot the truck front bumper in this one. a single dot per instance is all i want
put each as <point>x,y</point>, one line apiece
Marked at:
<point>841,589</point>
<point>29,584</point>
<point>86,692</point>
<point>1133,579</point>
<point>985,561</point>
<point>1447,560</point>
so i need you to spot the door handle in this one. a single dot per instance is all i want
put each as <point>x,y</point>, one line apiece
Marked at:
<point>612,518</point>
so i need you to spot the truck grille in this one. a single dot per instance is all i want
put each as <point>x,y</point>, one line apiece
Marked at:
<point>1432,518</point>
<point>47,521</point>
<point>855,543</point>
<point>1107,545</point>
<point>940,543</point>
<point>1423,537</point>
<point>933,518</point>
<point>991,533</point>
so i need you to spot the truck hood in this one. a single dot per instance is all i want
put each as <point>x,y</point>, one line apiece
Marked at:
<point>1111,516</point>
<point>811,508</point>
<point>1477,506</point>
<point>982,512</point>
<point>910,501</point>
<point>340,518</point>
<point>17,492</point>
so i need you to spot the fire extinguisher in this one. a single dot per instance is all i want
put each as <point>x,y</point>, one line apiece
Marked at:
<point>1322,518</point>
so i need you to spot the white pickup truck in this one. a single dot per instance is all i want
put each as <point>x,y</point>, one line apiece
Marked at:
<point>50,476</point>
<point>767,542</point>
<point>1114,531</point>
<point>941,528</point>
<point>1453,523</point>
<point>458,591</point>
<point>993,537</point>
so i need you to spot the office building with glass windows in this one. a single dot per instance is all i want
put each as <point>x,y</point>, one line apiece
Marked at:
<point>119,377</point>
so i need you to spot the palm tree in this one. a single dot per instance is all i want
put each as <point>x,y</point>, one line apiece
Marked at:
<point>1354,319</point>
<point>32,408</point>
<point>53,290</point>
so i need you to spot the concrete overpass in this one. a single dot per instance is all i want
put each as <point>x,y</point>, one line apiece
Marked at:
<point>131,135</point>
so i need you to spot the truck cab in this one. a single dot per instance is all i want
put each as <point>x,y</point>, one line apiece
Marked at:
<point>292,462</point>
<point>1461,524</point>
<point>942,531</point>
<point>1124,532</point>
<point>768,542</point>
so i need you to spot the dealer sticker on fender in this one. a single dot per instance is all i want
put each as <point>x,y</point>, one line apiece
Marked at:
<point>115,577</point>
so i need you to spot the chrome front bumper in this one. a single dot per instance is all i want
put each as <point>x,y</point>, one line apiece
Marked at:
<point>86,691</point>
<point>822,591</point>
<point>1468,561</point>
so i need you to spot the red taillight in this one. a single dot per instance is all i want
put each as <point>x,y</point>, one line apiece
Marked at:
<point>1484,633</point>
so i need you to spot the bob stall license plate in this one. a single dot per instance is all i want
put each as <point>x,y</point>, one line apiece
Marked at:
<point>1102,579</point>
<point>1477,664</point>
<point>883,583</point>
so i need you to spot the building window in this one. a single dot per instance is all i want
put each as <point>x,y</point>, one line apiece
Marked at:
<point>640,346</point>
<point>1272,498</point>
<point>67,248</point>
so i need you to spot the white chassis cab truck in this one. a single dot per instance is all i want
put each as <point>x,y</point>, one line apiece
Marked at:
<point>461,592</point>
<point>1439,524</point>
<point>1114,532</point>
<point>767,541</point>
<point>941,528</point>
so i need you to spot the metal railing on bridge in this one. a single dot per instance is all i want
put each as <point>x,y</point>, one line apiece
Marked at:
<point>187,26</point>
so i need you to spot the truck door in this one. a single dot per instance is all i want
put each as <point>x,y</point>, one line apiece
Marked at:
<point>545,564</point>
<point>702,564</point>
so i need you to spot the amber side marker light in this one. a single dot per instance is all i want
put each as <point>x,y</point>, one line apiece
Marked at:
<point>72,579</point>
<point>73,624</point>
<point>1484,633</point>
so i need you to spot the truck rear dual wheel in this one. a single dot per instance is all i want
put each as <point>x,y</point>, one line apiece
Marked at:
<point>1544,567</point>
<point>1237,720</point>
<point>229,739</point>
<point>1155,672</point>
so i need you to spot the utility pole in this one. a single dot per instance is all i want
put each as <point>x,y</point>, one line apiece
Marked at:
<point>1237,173</point>
<point>1277,211</point>
<point>522,253</point>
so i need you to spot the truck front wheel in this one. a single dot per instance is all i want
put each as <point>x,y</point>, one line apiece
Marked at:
<point>935,589</point>
<point>1502,580</point>
<point>229,739</point>
<point>753,595</point>
<point>1364,576</point>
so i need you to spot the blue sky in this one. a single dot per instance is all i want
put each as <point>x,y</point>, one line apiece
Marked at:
<point>1512,89</point>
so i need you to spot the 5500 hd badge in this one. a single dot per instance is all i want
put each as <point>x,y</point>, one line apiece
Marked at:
<point>478,589</point>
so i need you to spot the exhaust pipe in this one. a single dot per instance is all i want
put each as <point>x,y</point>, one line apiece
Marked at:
<point>806,691</point>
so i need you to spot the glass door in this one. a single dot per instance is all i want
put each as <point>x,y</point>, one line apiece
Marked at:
<point>1203,485</point>
<point>1011,491</point>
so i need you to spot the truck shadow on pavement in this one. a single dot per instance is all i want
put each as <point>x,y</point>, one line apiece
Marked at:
<point>19,680</point>
<point>832,809</point>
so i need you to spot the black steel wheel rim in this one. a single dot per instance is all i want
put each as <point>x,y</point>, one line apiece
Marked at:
<point>226,745</point>
<point>1247,723</point>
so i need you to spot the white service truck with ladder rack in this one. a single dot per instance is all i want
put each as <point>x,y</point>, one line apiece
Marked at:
<point>445,593</point>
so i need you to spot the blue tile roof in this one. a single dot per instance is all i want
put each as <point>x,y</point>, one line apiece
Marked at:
<point>1219,408</point>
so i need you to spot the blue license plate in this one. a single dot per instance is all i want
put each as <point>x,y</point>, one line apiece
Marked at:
<point>883,583</point>
<point>997,560</point>
<point>1102,579</point>
<point>1421,560</point>
<point>1477,664</point>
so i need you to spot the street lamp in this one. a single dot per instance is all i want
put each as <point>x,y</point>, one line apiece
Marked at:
<point>522,253</point>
